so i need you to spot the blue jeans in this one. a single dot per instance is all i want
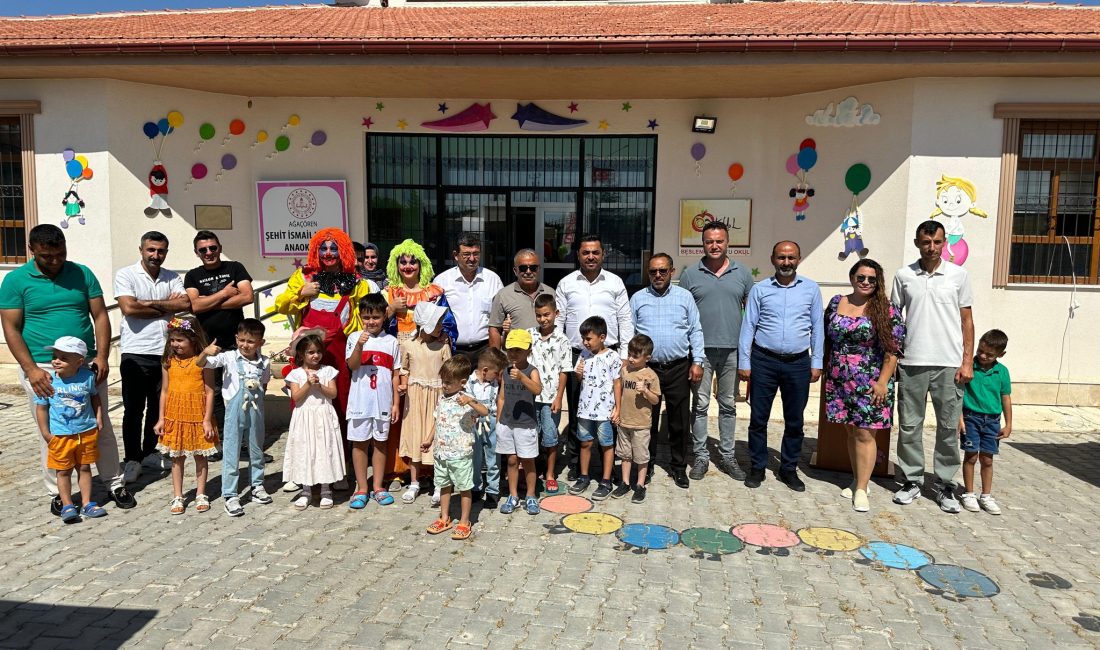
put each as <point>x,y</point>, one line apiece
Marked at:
<point>601,430</point>
<point>485,457</point>
<point>548,423</point>
<point>792,380</point>
<point>240,424</point>
<point>722,361</point>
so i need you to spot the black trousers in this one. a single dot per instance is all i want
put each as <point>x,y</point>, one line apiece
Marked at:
<point>471,351</point>
<point>676,392</point>
<point>141,377</point>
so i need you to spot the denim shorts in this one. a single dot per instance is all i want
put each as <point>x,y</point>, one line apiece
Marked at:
<point>547,424</point>
<point>981,433</point>
<point>601,430</point>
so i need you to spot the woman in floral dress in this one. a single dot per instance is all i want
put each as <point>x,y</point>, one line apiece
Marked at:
<point>864,335</point>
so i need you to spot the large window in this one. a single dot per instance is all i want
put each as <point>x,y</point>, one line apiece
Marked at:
<point>13,216</point>
<point>541,192</point>
<point>1053,229</point>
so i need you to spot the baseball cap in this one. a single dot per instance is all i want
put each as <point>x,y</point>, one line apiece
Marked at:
<point>518,338</point>
<point>69,344</point>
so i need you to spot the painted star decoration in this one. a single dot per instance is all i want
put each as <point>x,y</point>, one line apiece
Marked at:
<point>402,124</point>
<point>379,106</point>
<point>367,122</point>
<point>573,107</point>
<point>297,263</point>
<point>603,125</point>
<point>272,270</point>
<point>627,106</point>
<point>443,107</point>
<point>755,271</point>
<point>652,126</point>
<point>266,293</point>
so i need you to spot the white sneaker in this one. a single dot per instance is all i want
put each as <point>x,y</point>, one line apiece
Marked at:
<point>233,507</point>
<point>436,497</point>
<point>846,493</point>
<point>410,493</point>
<point>860,503</point>
<point>291,486</point>
<point>969,502</point>
<point>989,505</point>
<point>154,461</point>
<point>131,470</point>
<point>907,493</point>
<point>260,495</point>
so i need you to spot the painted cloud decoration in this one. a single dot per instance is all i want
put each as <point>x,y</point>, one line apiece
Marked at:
<point>847,113</point>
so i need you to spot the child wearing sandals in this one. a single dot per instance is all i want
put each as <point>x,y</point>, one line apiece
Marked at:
<point>452,439</point>
<point>69,423</point>
<point>314,449</point>
<point>373,401</point>
<point>186,426</point>
<point>423,357</point>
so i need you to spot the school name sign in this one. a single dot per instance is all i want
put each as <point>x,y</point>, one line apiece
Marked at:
<point>291,212</point>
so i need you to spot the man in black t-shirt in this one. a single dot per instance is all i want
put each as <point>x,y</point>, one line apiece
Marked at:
<point>219,290</point>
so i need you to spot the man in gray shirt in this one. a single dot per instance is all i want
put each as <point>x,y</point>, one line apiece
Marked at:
<point>720,287</point>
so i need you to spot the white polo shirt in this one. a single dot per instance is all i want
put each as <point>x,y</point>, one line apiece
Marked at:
<point>470,301</point>
<point>145,335</point>
<point>606,297</point>
<point>931,304</point>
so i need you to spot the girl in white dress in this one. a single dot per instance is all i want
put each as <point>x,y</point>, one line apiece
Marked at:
<point>314,451</point>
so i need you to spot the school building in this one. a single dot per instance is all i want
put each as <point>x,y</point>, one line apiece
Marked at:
<point>841,125</point>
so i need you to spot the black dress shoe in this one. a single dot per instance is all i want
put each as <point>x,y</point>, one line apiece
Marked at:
<point>123,498</point>
<point>680,477</point>
<point>754,478</point>
<point>790,478</point>
<point>574,473</point>
<point>55,506</point>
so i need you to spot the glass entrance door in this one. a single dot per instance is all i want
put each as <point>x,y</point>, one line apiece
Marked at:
<point>552,230</point>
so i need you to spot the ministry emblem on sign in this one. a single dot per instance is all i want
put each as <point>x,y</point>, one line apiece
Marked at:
<point>301,203</point>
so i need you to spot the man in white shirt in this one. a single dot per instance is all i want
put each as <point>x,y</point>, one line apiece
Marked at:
<point>470,289</point>
<point>148,297</point>
<point>590,291</point>
<point>936,299</point>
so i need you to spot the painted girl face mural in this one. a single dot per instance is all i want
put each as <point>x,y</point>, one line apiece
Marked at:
<point>955,198</point>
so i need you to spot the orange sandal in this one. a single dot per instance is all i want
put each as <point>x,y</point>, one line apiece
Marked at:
<point>439,526</point>
<point>462,531</point>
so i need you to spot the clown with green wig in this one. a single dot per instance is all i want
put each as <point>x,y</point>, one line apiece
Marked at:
<point>410,276</point>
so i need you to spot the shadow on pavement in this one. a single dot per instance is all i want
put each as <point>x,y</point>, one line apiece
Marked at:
<point>30,625</point>
<point>1079,460</point>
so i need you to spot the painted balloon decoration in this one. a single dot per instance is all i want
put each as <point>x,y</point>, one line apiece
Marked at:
<point>157,132</point>
<point>698,152</point>
<point>229,163</point>
<point>206,132</point>
<point>736,172</point>
<point>798,165</point>
<point>318,138</point>
<point>78,170</point>
<point>282,143</point>
<point>261,137</point>
<point>955,198</point>
<point>293,120</point>
<point>198,172</point>
<point>236,127</point>
<point>856,179</point>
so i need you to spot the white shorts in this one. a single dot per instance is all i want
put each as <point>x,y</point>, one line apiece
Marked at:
<point>521,441</point>
<point>364,429</point>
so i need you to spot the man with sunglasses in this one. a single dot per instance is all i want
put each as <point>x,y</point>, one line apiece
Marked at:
<point>514,305</point>
<point>219,290</point>
<point>470,289</point>
<point>668,315</point>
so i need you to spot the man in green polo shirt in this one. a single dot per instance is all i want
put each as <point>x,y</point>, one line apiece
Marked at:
<point>41,301</point>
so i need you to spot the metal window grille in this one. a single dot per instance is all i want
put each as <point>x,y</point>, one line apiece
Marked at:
<point>13,246</point>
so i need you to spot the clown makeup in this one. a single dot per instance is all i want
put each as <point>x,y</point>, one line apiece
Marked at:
<point>408,267</point>
<point>329,253</point>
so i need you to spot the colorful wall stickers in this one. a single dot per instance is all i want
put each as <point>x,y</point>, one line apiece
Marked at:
<point>532,117</point>
<point>798,165</point>
<point>236,127</point>
<point>857,179</point>
<point>206,132</point>
<point>698,152</point>
<point>157,132</point>
<point>229,163</point>
<point>735,172</point>
<point>76,166</point>
<point>319,138</point>
<point>849,112</point>
<point>261,137</point>
<point>475,117</point>
<point>955,198</point>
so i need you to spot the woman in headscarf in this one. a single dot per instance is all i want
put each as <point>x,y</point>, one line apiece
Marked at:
<point>372,266</point>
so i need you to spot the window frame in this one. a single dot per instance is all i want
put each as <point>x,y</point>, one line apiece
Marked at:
<point>1013,115</point>
<point>25,110</point>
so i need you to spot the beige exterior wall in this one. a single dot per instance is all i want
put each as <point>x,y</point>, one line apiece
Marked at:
<point>928,127</point>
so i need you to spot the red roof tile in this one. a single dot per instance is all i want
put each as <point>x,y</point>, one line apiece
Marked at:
<point>597,28</point>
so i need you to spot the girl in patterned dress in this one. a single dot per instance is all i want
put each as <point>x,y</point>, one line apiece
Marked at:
<point>864,335</point>
<point>186,425</point>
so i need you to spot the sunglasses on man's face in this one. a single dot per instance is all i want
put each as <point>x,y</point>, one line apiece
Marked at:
<point>866,279</point>
<point>527,268</point>
<point>660,271</point>
<point>208,249</point>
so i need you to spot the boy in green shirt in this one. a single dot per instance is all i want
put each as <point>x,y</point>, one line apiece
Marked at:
<point>987,396</point>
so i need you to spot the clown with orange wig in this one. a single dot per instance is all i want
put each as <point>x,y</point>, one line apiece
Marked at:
<point>325,294</point>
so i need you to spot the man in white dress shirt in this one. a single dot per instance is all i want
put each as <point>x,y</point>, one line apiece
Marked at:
<point>590,291</point>
<point>470,289</point>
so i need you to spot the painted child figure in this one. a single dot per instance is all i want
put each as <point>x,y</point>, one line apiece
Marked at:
<point>246,373</point>
<point>599,370</point>
<point>374,401</point>
<point>69,423</point>
<point>314,452</point>
<point>641,393</point>
<point>423,356</point>
<point>483,385</point>
<point>517,435</point>
<point>452,445</point>
<point>552,356</point>
<point>186,427</point>
<point>987,396</point>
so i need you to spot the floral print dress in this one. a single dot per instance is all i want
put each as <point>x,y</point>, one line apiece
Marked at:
<point>855,361</point>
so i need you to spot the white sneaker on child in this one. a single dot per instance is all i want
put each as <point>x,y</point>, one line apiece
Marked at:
<point>969,502</point>
<point>436,497</point>
<point>410,493</point>
<point>989,505</point>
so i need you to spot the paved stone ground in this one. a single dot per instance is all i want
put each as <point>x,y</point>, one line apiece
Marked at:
<point>277,578</point>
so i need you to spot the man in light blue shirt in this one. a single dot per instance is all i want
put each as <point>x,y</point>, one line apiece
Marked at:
<point>781,349</point>
<point>668,315</point>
